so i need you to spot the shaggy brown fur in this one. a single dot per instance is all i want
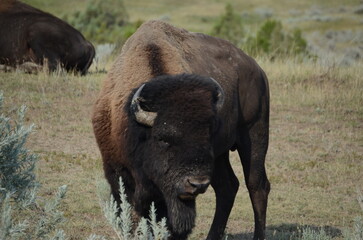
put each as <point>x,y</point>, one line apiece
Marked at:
<point>157,49</point>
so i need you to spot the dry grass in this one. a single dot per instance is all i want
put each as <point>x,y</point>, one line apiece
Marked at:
<point>314,162</point>
<point>315,158</point>
<point>60,105</point>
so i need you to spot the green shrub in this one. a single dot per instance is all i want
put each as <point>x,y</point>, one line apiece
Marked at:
<point>273,40</point>
<point>103,21</point>
<point>22,216</point>
<point>229,26</point>
<point>270,36</point>
<point>270,39</point>
<point>16,162</point>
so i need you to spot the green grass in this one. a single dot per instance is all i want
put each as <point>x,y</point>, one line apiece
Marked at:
<point>199,15</point>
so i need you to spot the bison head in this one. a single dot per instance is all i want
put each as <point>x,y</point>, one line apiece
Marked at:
<point>173,121</point>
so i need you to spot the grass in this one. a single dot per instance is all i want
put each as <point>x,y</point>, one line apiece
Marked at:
<point>60,105</point>
<point>314,161</point>
<point>315,157</point>
<point>199,15</point>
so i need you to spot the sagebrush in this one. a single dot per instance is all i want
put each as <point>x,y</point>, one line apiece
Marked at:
<point>22,214</point>
<point>120,218</point>
<point>25,215</point>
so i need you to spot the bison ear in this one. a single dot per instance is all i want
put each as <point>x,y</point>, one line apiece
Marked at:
<point>220,95</point>
<point>143,117</point>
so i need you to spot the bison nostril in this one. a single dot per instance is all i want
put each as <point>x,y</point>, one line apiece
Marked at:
<point>192,186</point>
<point>200,184</point>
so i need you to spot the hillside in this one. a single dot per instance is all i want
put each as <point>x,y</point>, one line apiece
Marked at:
<point>332,29</point>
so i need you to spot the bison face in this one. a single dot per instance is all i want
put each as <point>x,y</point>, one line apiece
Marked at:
<point>180,163</point>
<point>175,118</point>
<point>181,156</point>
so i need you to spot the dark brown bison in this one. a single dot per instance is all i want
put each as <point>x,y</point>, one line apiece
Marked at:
<point>172,107</point>
<point>30,35</point>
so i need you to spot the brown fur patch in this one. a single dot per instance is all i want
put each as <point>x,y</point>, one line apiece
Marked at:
<point>6,4</point>
<point>155,60</point>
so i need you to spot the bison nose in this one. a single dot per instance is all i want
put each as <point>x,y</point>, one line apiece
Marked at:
<point>194,186</point>
<point>199,184</point>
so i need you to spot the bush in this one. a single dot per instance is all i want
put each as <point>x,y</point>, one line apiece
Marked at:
<point>229,26</point>
<point>273,40</point>
<point>21,215</point>
<point>16,162</point>
<point>270,38</point>
<point>120,218</point>
<point>103,21</point>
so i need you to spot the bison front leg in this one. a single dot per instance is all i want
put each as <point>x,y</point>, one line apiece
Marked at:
<point>225,185</point>
<point>252,150</point>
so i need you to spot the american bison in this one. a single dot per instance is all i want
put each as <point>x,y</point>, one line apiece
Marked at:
<point>28,34</point>
<point>170,110</point>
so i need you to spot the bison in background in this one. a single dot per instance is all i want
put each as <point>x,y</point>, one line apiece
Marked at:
<point>171,108</point>
<point>31,35</point>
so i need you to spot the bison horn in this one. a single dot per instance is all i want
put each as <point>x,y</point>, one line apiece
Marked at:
<point>143,117</point>
<point>220,95</point>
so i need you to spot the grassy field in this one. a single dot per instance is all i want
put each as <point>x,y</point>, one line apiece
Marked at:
<point>314,160</point>
<point>198,15</point>
<point>331,27</point>
<point>315,157</point>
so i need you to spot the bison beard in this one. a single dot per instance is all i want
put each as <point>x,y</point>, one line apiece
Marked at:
<point>180,213</point>
<point>181,216</point>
